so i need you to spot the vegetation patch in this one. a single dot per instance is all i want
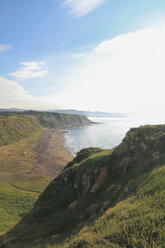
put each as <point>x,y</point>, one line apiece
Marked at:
<point>20,183</point>
<point>103,198</point>
<point>19,186</point>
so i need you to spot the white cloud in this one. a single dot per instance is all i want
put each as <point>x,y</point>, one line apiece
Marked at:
<point>77,55</point>
<point>145,39</point>
<point>29,70</point>
<point>126,74</point>
<point>82,7</point>
<point>4,47</point>
<point>14,95</point>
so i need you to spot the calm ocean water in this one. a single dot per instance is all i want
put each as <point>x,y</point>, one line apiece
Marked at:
<point>106,133</point>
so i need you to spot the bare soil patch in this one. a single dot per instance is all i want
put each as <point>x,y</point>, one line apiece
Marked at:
<point>49,158</point>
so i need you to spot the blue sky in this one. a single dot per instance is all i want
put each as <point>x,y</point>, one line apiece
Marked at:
<point>48,46</point>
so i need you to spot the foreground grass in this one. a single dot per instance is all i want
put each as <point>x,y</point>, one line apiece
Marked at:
<point>102,199</point>
<point>14,204</point>
<point>138,221</point>
<point>19,186</point>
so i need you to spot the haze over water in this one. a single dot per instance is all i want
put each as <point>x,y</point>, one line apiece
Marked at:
<point>106,133</point>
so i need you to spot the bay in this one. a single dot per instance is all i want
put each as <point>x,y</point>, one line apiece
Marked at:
<point>106,132</point>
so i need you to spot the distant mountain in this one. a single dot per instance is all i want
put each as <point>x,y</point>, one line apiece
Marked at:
<point>88,113</point>
<point>103,114</point>
<point>73,112</point>
<point>11,110</point>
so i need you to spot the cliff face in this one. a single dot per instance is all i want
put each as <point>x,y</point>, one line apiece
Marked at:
<point>58,120</point>
<point>110,190</point>
<point>14,126</point>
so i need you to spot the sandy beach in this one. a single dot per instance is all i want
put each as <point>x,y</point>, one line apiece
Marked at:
<point>49,154</point>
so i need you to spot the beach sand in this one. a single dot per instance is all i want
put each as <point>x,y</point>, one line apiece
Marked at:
<point>49,154</point>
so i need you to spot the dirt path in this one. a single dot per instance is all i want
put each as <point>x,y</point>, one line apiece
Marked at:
<point>49,157</point>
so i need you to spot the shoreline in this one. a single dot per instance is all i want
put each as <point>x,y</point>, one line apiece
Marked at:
<point>63,147</point>
<point>63,131</point>
<point>49,154</point>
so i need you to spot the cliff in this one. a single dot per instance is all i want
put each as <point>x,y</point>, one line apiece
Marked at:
<point>15,126</point>
<point>103,198</point>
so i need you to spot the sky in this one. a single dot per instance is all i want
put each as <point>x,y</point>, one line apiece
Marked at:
<point>102,55</point>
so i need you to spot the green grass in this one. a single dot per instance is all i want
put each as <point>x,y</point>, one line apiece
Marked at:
<point>15,128</point>
<point>33,183</point>
<point>19,187</point>
<point>103,198</point>
<point>62,132</point>
<point>19,125</point>
<point>14,204</point>
<point>138,221</point>
<point>64,148</point>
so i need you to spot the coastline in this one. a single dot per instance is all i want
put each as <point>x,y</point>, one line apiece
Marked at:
<point>50,156</point>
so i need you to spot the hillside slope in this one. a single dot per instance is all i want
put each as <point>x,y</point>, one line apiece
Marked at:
<point>103,198</point>
<point>31,155</point>
<point>15,126</point>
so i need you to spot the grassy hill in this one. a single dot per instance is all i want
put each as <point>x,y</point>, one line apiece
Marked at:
<point>103,198</point>
<point>20,183</point>
<point>15,126</point>
<point>19,186</point>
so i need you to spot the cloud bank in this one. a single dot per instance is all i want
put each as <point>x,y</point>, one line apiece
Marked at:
<point>30,70</point>
<point>124,74</point>
<point>81,8</point>
<point>14,95</point>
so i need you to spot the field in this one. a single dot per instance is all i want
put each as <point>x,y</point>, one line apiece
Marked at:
<point>25,171</point>
<point>31,156</point>
<point>19,187</point>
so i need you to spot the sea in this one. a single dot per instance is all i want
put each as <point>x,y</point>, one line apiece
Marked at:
<point>105,132</point>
